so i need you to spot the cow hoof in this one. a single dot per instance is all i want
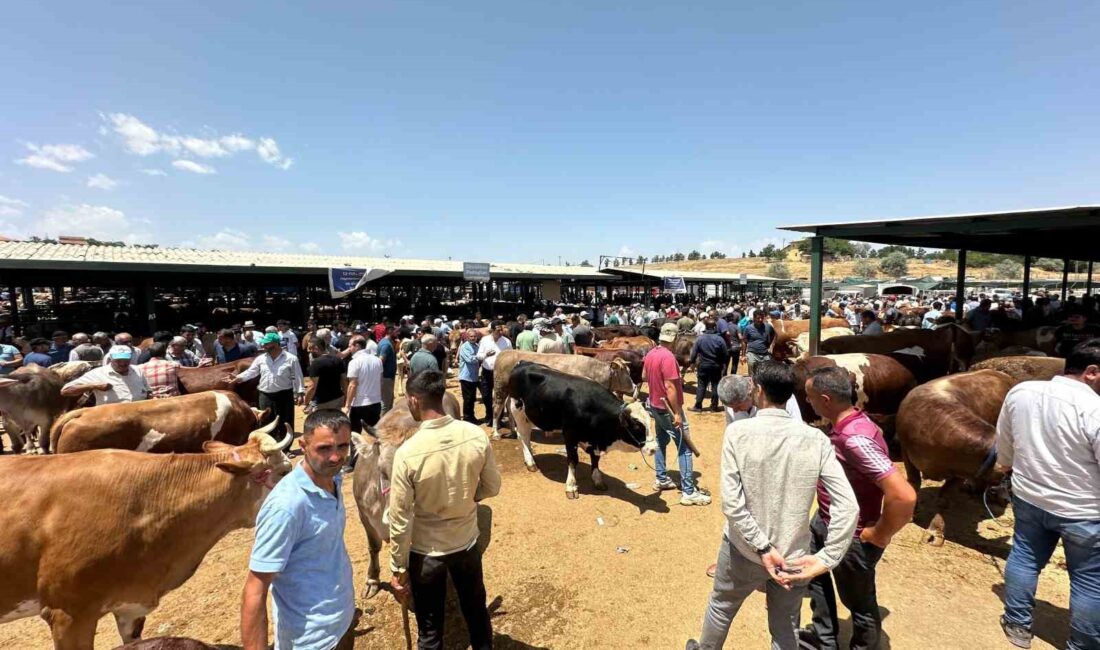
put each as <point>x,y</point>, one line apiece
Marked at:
<point>933,538</point>
<point>570,495</point>
<point>532,468</point>
<point>372,589</point>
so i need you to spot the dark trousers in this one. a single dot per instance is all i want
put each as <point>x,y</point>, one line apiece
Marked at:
<point>469,400</point>
<point>428,579</point>
<point>707,376</point>
<point>855,583</point>
<point>282,406</point>
<point>735,360</point>
<point>370,414</point>
<point>487,394</point>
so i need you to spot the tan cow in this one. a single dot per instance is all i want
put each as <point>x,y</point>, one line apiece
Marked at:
<point>171,425</point>
<point>641,343</point>
<point>1025,368</point>
<point>800,347</point>
<point>113,531</point>
<point>787,331</point>
<point>371,477</point>
<point>946,429</point>
<point>614,376</point>
<point>30,398</point>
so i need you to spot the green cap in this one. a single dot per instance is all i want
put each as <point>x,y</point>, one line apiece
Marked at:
<point>271,337</point>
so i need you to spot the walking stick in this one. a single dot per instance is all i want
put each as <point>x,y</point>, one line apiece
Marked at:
<point>405,625</point>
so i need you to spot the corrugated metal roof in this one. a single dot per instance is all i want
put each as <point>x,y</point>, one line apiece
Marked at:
<point>22,254</point>
<point>692,276</point>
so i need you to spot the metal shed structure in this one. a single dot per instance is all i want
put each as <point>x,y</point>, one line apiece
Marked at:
<point>1065,233</point>
<point>725,284</point>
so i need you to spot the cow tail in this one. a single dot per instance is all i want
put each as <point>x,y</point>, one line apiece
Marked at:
<point>59,423</point>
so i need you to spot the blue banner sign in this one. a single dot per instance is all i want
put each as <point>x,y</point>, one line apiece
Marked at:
<point>675,285</point>
<point>344,280</point>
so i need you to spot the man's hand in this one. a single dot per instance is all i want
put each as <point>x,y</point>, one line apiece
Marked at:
<point>676,421</point>
<point>399,584</point>
<point>872,536</point>
<point>101,387</point>
<point>776,565</point>
<point>808,567</point>
<point>300,399</point>
<point>229,379</point>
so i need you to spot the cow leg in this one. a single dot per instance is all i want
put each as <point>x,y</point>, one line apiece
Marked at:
<point>130,621</point>
<point>597,475</point>
<point>374,542</point>
<point>943,499</point>
<point>571,476</point>
<point>523,432</point>
<point>70,632</point>
<point>912,474</point>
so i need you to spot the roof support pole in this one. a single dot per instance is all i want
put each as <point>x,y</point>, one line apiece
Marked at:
<point>1027,276</point>
<point>17,328</point>
<point>1088,282</point>
<point>817,248</point>
<point>1065,277</point>
<point>960,286</point>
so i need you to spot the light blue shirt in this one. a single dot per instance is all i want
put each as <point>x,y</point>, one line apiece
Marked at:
<point>467,362</point>
<point>300,537</point>
<point>7,353</point>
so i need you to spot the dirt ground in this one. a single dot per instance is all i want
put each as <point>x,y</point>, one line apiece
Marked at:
<point>625,570</point>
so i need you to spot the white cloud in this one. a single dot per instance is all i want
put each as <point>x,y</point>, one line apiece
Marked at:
<point>626,251</point>
<point>84,220</point>
<point>226,239</point>
<point>711,245</point>
<point>102,182</point>
<point>310,247</point>
<point>359,240</point>
<point>54,156</point>
<point>141,139</point>
<point>10,207</point>
<point>194,167</point>
<point>43,162</point>
<point>154,172</point>
<point>273,243</point>
<point>269,152</point>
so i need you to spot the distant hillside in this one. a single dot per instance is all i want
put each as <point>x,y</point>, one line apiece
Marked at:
<point>835,270</point>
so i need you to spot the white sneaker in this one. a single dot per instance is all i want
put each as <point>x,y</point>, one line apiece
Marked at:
<point>666,484</point>
<point>696,498</point>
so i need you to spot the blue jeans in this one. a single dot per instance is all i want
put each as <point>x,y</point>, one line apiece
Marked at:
<point>1037,533</point>
<point>662,420</point>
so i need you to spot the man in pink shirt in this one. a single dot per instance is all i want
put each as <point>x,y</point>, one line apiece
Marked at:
<point>666,402</point>
<point>886,502</point>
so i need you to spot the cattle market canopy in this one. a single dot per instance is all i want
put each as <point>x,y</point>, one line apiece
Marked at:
<point>1060,233</point>
<point>657,275</point>
<point>23,255</point>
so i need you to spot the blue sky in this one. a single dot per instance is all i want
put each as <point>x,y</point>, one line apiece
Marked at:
<point>523,131</point>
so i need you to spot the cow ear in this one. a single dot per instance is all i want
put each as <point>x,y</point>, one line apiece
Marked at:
<point>235,467</point>
<point>5,382</point>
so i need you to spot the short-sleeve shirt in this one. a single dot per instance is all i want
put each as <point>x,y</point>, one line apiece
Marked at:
<point>421,361</point>
<point>367,369</point>
<point>37,359</point>
<point>60,354</point>
<point>300,537</point>
<point>863,454</point>
<point>7,353</point>
<point>130,387</point>
<point>327,370</point>
<point>759,339</point>
<point>389,358</point>
<point>661,365</point>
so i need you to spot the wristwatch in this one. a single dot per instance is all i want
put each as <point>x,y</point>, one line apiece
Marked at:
<point>764,551</point>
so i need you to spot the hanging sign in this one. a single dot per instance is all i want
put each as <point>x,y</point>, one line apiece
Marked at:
<point>344,280</point>
<point>675,285</point>
<point>475,271</point>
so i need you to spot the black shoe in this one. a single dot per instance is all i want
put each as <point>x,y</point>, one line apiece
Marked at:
<point>1017,635</point>
<point>807,639</point>
<point>692,644</point>
<point>696,409</point>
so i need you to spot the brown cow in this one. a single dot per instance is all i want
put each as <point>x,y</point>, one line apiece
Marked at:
<point>371,477</point>
<point>642,343</point>
<point>633,358</point>
<point>199,380</point>
<point>927,353</point>
<point>171,425</point>
<point>1024,368</point>
<point>681,349</point>
<point>879,384</point>
<point>614,375</point>
<point>787,331</point>
<point>946,429</point>
<point>1039,338</point>
<point>615,331</point>
<point>30,398</point>
<point>113,530</point>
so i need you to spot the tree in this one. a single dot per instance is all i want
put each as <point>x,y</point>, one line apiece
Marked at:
<point>862,249</point>
<point>585,263</point>
<point>1049,264</point>
<point>833,247</point>
<point>641,260</point>
<point>921,253</point>
<point>716,255</point>
<point>770,251</point>
<point>864,268</point>
<point>895,265</point>
<point>778,269</point>
<point>678,257</point>
<point>694,255</point>
<point>886,251</point>
<point>752,253</point>
<point>744,255</point>
<point>1008,270</point>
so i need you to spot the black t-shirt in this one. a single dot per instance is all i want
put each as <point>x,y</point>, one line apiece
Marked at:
<point>327,370</point>
<point>1067,338</point>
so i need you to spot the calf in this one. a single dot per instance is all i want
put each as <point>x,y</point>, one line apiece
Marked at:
<point>946,429</point>
<point>371,477</point>
<point>1027,368</point>
<point>30,398</point>
<point>207,378</point>
<point>585,412</point>
<point>113,531</point>
<point>633,359</point>
<point>613,375</point>
<point>171,425</point>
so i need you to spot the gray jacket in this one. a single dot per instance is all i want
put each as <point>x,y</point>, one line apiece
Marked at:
<point>771,465</point>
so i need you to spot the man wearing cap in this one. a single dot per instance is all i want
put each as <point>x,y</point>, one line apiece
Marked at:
<point>113,383</point>
<point>281,383</point>
<point>60,349</point>
<point>566,337</point>
<point>549,343</point>
<point>249,334</point>
<point>424,359</point>
<point>39,354</point>
<point>661,372</point>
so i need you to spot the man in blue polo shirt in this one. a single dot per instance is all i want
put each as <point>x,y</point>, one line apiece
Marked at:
<point>299,551</point>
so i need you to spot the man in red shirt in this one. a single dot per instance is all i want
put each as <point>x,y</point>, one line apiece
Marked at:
<point>666,402</point>
<point>886,502</point>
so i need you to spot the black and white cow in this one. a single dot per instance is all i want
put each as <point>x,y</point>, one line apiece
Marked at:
<point>585,412</point>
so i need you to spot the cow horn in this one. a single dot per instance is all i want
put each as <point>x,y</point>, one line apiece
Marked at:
<point>263,436</point>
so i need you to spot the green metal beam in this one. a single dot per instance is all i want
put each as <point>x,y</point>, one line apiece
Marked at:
<point>1027,276</point>
<point>817,256</point>
<point>960,286</point>
<point>1065,277</point>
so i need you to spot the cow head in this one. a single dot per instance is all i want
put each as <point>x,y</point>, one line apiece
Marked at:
<point>262,458</point>
<point>639,427</point>
<point>620,377</point>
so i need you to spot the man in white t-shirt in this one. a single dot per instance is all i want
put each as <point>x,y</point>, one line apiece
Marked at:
<point>113,383</point>
<point>364,397</point>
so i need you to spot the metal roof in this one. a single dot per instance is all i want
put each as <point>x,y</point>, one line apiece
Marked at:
<point>1061,233</point>
<point>688,276</point>
<point>38,255</point>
